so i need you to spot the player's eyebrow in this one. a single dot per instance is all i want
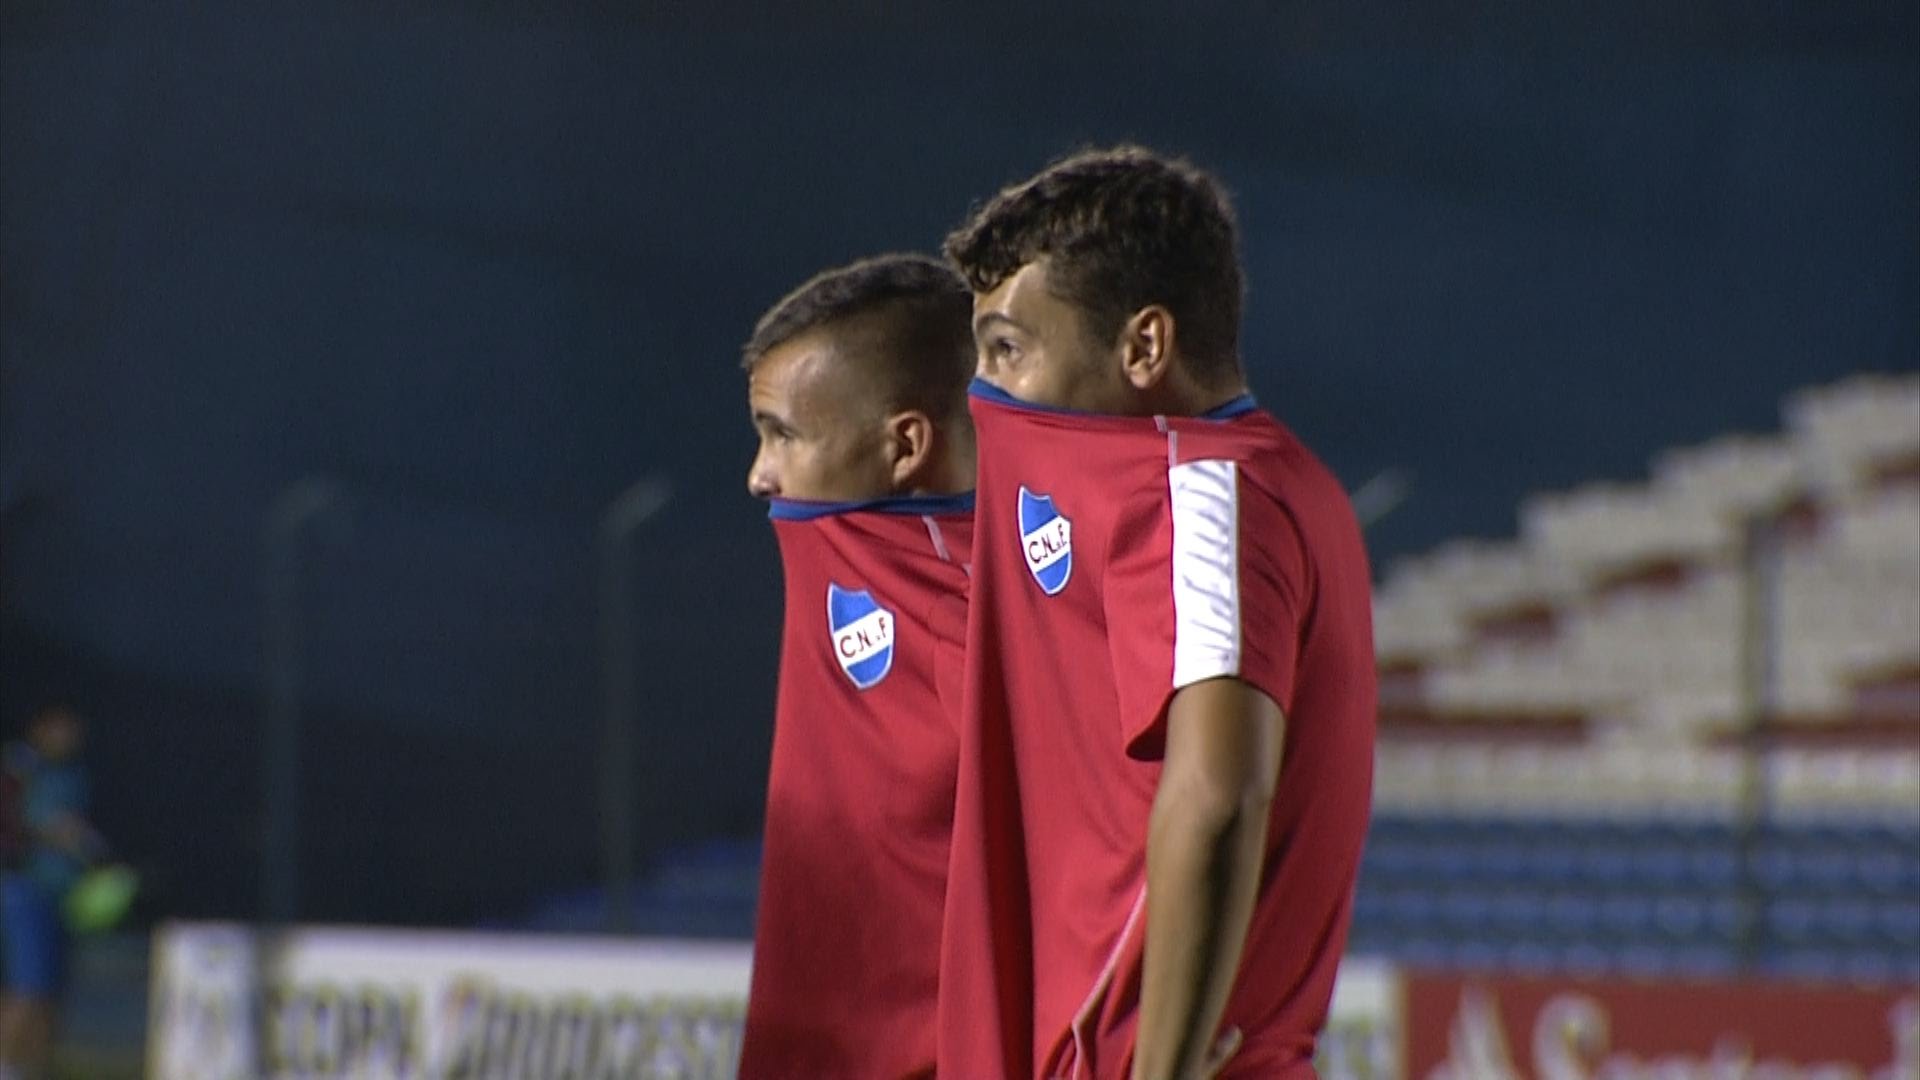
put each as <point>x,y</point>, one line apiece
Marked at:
<point>773,420</point>
<point>989,318</point>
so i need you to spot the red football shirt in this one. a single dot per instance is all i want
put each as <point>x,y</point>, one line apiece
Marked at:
<point>860,795</point>
<point>1116,560</point>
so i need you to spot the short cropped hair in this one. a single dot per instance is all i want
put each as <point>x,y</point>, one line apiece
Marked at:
<point>909,320</point>
<point>1120,229</point>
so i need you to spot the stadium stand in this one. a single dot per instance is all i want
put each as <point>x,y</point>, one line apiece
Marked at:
<point>1672,728</point>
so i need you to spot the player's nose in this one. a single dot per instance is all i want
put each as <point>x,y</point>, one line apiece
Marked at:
<point>762,482</point>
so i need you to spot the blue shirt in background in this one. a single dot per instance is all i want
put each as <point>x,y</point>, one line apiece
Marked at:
<point>52,790</point>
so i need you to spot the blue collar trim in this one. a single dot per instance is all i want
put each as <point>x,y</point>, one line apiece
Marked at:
<point>986,391</point>
<point>1239,406</point>
<point>809,509</point>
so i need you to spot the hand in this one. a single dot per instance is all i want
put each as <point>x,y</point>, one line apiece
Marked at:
<point>72,834</point>
<point>1217,1058</point>
<point>1223,1050</point>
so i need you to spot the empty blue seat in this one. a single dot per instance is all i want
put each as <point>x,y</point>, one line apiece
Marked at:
<point>1882,872</point>
<point>1811,964</point>
<point>1381,859</point>
<point>1793,921</point>
<point>1897,922</point>
<point>1726,917</point>
<point>1701,961</point>
<point>1369,907</point>
<point>1478,954</point>
<point>1849,922</point>
<point>1886,834</point>
<point>1586,958</point>
<point>1680,917</point>
<point>1386,830</point>
<point>1554,866</point>
<point>1531,957</point>
<point>1871,966</point>
<point>1662,866</point>
<point>1828,869</point>
<point>1906,966</point>
<point>1629,894</point>
<point>1410,909</point>
<point>1572,915</point>
<point>1506,862</point>
<point>1626,915</point>
<point>1518,912</point>
<point>1397,862</point>
<point>1607,866</point>
<point>1414,830</point>
<point>1645,961</point>
<point>1776,868</point>
<point>1713,867</point>
<point>1465,911</point>
<point>1424,952</point>
<point>1708,834</point>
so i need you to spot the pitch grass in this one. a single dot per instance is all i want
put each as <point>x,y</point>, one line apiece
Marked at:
<point>92,1063</point>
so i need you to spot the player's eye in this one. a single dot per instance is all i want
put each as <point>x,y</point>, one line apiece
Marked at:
<point>1003,350</point>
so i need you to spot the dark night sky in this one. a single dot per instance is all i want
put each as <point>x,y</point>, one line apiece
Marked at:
<point>485,268</point>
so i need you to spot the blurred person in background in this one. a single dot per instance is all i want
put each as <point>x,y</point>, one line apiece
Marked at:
<point>1167,736</point>
<point>857,389</point>
<point>50,846</point>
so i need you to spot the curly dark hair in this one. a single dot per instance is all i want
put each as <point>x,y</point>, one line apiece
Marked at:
<point>1120,229</point>
<point>908,319</point>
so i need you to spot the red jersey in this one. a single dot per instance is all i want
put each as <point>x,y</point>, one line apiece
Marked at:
<point>1116,560</point>
<point>860,796</point>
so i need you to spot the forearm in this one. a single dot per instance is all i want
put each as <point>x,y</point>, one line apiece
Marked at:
<point>1203,870</point>
<point>70,833</point>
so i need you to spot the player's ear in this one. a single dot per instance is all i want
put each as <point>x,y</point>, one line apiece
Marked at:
<point>909,446</point>
<point>1146,346</point>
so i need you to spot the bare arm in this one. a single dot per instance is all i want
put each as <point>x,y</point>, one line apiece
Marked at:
<point>1205,841</point>
<point>72,834</point>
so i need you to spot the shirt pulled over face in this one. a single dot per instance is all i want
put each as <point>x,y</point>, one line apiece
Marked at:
<point>860,791</point>
<point>1117,560</point>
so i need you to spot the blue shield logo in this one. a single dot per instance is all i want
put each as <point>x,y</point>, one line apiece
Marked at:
<point>862,634</point>
<point>1046,541</point>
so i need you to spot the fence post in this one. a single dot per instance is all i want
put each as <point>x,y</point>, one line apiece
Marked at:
<point>619,724</point>
<point>299,504</point>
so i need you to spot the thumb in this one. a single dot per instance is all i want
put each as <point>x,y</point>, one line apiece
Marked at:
<point>1223,1050</point>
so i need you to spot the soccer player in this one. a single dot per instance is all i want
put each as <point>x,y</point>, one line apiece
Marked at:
<point>48,780</point>
<point>1168,719</point>
<point>857,383</point>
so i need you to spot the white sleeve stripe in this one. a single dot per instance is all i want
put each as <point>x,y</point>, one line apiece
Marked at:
<point>1173,440</point>
<point>1206,571</point>
<point>939,541</point>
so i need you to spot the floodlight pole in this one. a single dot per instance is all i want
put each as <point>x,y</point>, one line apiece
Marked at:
<point>305,501</point>
<point>619,732</point>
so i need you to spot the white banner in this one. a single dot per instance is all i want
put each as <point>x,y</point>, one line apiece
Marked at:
<point>398,1005</point>
<point>1365,1023</point>
<point>395,1005</point>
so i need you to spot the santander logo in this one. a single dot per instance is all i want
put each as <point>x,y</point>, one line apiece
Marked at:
<point>1572,1040</point>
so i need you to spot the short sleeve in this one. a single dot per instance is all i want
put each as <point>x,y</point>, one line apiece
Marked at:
<point>1206,584</point>
<point>54,793</point>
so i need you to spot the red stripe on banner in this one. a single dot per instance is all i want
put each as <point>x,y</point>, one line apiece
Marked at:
<point>1468,1027</point>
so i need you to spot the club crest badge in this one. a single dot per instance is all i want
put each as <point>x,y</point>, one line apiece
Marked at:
<point>862,635</point>
<point>1046,541</point>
